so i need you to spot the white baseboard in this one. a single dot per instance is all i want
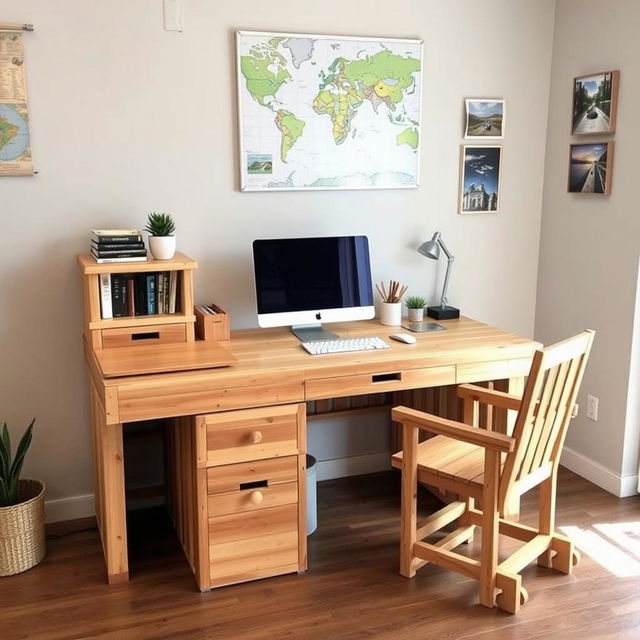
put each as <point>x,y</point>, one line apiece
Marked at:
<point>83,506</point>
<point>72,508</point>
<point>354,466</point>
<point>621,486</point>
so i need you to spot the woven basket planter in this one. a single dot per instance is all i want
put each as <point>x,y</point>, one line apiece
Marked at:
<point>22,541</point>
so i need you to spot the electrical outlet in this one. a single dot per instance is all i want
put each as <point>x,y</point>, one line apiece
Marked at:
<point>592,408</point>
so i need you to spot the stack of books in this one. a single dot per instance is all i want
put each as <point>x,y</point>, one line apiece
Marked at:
<point>138,294</point>
<point>117,245</point>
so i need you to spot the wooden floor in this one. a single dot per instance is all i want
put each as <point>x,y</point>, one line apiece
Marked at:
<point>352,590</point>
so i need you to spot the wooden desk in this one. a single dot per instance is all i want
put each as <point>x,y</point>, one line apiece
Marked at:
<point>271,370</point>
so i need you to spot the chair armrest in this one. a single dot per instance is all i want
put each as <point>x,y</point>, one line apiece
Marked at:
<point>490,396</point>
<point>453,429</point>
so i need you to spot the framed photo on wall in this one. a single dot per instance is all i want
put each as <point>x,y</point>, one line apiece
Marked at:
<point>480,179</point>
<point>484,118</point>
<point>595,103</point>
<point>590,166</point>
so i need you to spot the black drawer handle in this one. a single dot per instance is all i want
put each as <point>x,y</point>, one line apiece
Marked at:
<point>254,485</point>
<point>386,377</point>
<point>152,335</point>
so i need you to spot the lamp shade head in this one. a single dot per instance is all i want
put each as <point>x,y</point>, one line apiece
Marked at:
<point>430,249</point>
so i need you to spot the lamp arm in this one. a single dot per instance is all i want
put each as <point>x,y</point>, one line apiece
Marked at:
<point>443,299</point>
<point>443,246</point>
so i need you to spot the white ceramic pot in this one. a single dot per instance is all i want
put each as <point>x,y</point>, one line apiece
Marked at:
<point>162,247</point>
<point>391,313</point>
<point>416,315</point>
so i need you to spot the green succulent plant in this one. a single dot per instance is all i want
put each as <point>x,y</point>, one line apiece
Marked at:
<point>10,469</point>
<point>415,302</point>
<point>160,224</point>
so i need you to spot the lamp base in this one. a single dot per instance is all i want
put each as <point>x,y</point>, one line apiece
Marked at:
<point>443,313</point>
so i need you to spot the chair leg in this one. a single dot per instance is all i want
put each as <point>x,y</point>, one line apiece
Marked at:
<point>490,524</point>
<point>547,516</point>
<point>513,594</point>
<point>566,556</point>
<point>409,501</point>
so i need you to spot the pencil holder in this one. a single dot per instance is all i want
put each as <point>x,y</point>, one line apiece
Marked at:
<point>391,313</point>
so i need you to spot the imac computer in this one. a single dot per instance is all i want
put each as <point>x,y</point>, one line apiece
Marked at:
<point>303,282</point>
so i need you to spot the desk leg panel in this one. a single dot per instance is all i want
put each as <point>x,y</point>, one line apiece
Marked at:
<point>110,491</point>
<point>302,487</point>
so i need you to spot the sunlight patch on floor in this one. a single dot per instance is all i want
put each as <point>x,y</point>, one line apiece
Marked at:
<point>615,546</point>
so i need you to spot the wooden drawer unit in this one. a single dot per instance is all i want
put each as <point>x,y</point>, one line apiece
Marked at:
<point>250,486</point>
<point>250,434</point>
<point>150,334</point>
<point>254,544</point>
<point>250,491</point>
<point>379,382</point>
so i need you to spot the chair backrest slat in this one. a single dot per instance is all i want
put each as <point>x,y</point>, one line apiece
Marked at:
<point>543,428</point>
<point>547,406</point>
<point>563,414</point>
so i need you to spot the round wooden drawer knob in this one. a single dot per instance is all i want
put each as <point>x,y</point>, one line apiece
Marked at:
<point>256,497</point>
<point>255,437</point>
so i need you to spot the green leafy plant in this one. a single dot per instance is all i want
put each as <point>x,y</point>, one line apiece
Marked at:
<point>10,469</point>
<point>415,302</point>
<point>160,224</point>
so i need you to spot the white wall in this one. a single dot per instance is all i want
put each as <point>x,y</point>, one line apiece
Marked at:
<point>589,244</point>
<point>127,118</point>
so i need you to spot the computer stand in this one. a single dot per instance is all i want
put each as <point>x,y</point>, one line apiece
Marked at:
<point>311,332</point>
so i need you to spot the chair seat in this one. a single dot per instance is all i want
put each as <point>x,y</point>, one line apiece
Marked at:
<point>448,458</point>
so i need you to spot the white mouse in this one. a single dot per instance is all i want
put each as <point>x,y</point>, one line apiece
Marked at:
<point>403,337</point>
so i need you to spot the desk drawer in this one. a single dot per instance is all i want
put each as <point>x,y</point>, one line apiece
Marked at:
<point>253,544</point>
<point>253,499</point>
<point>236,477</point>
<point>496,370</point>
<point>379,382</point>
<point>252,485</point>
<point>250,434</point>
<point>150,334</point>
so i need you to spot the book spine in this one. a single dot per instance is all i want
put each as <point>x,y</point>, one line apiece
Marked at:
<point>105,296</point>
<point>160,292</point>
<point>165,279</point>
<point>116,246</point>
<point>118,295</point>
<point>111,260</point>
<point>119,253</point>
<point>151,294</point>
<point>141,294</point>
<point>131,297</point>
<point>173,290</point>
<point>116,239</point>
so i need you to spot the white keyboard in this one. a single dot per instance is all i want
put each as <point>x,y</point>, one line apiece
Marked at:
<point>341,346</point>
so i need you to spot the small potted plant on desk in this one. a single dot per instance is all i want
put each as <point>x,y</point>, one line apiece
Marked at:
<point>415,308</point>
<point>162,242</point>
<point>22,540</point>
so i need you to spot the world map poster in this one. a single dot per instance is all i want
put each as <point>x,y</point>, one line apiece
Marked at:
<point>15,145</point>
<point>328,112</point>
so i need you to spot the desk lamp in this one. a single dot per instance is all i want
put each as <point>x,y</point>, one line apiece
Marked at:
<point>431,249</point>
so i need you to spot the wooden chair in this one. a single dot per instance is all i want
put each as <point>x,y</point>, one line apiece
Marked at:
<point>495,469</point>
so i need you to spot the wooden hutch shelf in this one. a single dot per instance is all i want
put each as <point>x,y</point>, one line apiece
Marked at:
<point>139,329</point>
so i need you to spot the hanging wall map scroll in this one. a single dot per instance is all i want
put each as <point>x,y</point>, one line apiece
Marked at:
<point>327,112</point>
<point>15,146</point>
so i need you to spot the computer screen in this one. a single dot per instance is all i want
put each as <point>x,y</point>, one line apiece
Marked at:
<point>311,280</point>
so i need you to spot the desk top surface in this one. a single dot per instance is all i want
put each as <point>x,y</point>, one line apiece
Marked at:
<point>263,354</point>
